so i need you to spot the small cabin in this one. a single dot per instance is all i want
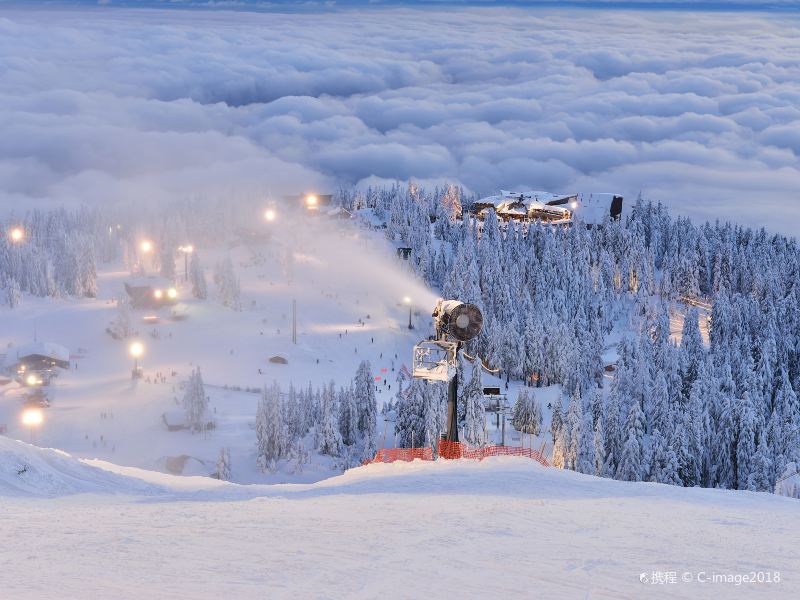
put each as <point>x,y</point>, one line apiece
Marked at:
<point>151,293</point>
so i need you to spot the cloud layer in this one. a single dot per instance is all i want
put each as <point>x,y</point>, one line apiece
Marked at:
<point>701,111</point>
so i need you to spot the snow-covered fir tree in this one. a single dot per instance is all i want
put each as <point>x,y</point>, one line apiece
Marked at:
<point>271,436</point>
<point>197,277</point>
<point>366,407</point>
<point>474,416</point>
<point>328,437</point>
<point>228,285</point>
<point>195,402</point>
<point>527,414</point>
<point>223,471</point>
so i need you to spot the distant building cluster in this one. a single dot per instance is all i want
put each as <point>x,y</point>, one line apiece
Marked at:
<point>546,207</point>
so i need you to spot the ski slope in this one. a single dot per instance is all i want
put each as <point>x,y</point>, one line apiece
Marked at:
<point>349,289</point>
<point>501,528</point>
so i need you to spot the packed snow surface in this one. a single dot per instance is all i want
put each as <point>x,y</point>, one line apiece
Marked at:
<point>501,528</point>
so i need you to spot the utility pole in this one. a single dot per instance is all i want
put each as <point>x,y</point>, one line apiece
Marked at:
<point>294,321</point>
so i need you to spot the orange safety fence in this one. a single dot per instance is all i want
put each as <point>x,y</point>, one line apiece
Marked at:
<point>451,450</point>
<point>406,454</point>
<point>460,450</point>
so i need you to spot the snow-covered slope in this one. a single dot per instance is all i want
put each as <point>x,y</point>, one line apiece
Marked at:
<point>26,470</point>
<point>349,289</point>
<point>502,528</point>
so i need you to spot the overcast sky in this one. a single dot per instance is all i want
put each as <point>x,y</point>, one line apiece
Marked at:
<point>698,110</point>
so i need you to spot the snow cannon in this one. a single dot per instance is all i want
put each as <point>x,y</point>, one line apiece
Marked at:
<point>458,320</point>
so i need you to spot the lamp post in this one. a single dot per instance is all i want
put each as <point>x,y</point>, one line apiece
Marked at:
<point>136,350</point>
<point>407,300</point>
<point>31,418</point>
<point>270,215</point>
<point>145,247</point>
<point>187,250</point>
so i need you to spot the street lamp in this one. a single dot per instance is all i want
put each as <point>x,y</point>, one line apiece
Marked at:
<point>311,201</point>
<point>187,250</point>
<point>32,417</point>
<point>269,215</point>
<point>136,350</point>
<point>407,300</point>
<point>17,234</point>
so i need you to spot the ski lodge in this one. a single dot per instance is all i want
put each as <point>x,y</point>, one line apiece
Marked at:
<point>556,209</point>
<point>36,363</point>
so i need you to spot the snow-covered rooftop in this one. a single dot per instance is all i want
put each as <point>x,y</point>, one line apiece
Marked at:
<point>50,349</point>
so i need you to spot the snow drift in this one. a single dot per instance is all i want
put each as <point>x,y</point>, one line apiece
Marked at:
<point>26,470</point>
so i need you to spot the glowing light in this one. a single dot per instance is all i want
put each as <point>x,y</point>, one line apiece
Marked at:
<point>32,417</point>
<point>32,379</point>
<point>311,200</point>
<point>188,249</point>
<point>407,300</point>
<point>158,294</point>
<point>146,246</point>
<point>136,349</point>
<point>269,214</point>
<point>17,234</point>
<point>573,205</point>
<point>172,293</point>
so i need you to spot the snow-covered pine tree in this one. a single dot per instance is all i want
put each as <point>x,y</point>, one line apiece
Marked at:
<point>270,430</point>
<point>366,407</point>
<point>228,285</point>
<point>527,416</point>
<point>599,448</point>
<point>224,464</point>
<point>195,402</point>
<point>410,420</point>
<point>121,325</point>
<point>348,416</point>
<point>631,465</point>
<point>474,423</point>
<point>329,440</point>
<point>198,278</point>
<point>556,420</point>
<point>13,294</point>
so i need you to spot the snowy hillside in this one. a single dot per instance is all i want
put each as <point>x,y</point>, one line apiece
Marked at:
<point>501,528</point>
<point>349,292</point>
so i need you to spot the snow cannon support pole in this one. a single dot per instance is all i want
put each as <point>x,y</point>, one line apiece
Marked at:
<point>452,405</point>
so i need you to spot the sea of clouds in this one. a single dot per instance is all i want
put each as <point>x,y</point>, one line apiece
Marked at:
<point>698,110</point>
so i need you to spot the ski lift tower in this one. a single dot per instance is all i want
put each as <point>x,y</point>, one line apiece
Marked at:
<point>436,359</point>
